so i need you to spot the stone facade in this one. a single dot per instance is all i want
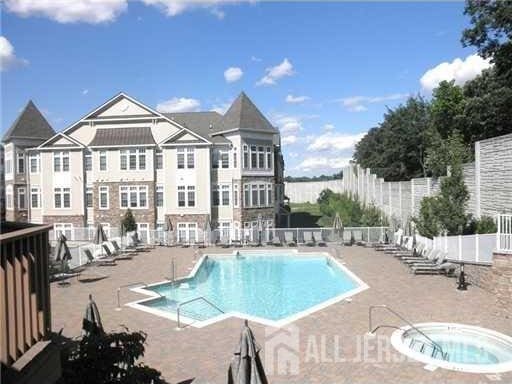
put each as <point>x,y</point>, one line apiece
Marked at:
<point>200,219</point>
<point>115,213</point>
<point>496,279</point>
<point>252,214</point>
<point>76,220</point>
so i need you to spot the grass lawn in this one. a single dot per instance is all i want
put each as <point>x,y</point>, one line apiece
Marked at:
<point>307,215</point>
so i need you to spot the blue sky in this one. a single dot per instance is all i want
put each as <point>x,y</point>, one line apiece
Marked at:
<point>324,73</point>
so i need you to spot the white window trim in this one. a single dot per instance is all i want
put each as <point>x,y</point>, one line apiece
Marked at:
<point>138,152</point>
<point>100,155</point>
<point>139,187</point>
<point>100,192</point>
<point>61,155</point>
<point>185,151</point>
<point>63,227</point>
<point>24,193</point>
<point>62,198</point>
<point>186,190</point>
<point>163,196</point>
<point>91,189</point>
<point>37,158</point>
<point>20,156</point>
<point>9,192</point>
<point>36,192</point>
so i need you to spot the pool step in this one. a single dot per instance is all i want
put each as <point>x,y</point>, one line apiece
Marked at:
<point>426,349</point>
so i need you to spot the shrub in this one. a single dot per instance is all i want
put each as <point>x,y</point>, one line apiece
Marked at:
<point>427,222</point>
<point>486,224</point>
<point>128,221</point>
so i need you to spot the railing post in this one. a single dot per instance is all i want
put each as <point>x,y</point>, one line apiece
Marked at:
<point>498,234</point>
<point>477,247</point>
<point>460,247</point>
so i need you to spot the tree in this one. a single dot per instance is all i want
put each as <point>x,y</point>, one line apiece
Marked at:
<point>447,109</point>
<point>443,152</point>
<point>491,33</point>
<point>427,222</point>
<point>108,358</point>
<point>128,221</point>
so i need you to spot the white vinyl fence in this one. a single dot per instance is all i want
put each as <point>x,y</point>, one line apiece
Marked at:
<point>470,248</point>
<point>504,238</point>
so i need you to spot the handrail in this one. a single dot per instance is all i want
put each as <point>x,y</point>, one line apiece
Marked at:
<point>178,309</point>
<point>141,283</point>
<point>384,306</point>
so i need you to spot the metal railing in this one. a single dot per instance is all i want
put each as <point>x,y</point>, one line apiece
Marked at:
<point>139,284</point>
<point>504,237</point>
<point>372,330</point>
<point>180,305</point>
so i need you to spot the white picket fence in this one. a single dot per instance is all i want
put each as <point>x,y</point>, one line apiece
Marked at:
<point>476,249</point>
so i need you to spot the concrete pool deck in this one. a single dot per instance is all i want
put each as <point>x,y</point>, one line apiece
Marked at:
<point>328,346</point>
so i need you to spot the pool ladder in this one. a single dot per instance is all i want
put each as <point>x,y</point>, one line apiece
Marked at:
<point>178,309</point>
<point>436,348</point>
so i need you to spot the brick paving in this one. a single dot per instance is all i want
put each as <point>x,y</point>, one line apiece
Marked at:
<point>203,354</point>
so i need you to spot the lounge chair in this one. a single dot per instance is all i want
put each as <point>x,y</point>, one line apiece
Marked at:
<point>430,256</point>
<point>138,245</point>
<point>120,250</point>
<point>308,238</point>
<point>414,252</point>
<point>443,268</point>
<point>112,254</point>
<point>103,261</point>
<point>406,247</point>
<point>318,240</point>
<point>290,239</point>
<point>276,240</point>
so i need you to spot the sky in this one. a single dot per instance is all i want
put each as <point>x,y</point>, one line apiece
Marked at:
<point>323,73</point>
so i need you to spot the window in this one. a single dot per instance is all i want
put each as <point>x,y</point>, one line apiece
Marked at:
<point>132,159</point>
<point>88,161</point>
<point>159,159</point>
<point>224,159</point>
<point>65,228</point>
<point>61,161</point>
<point>220,158</point>
<point>225,195</point>
<point>262,194</point>
<point>8,163</point>
<point>247,195</point>
<point>181,196</point>
<point>246,157</point>
<point>261,158</point>
<point>215,196</point>
<point>191,192</point>
<point>254,196</point>
<point>88,197</point>
<point>269,158</point>
<point>254,157</point>
<point>186,196</point>
<point>62,197</point>
<point>34,163</point>
<point>106,228</point>
<point>20,162</point>
<point>235,195</point>
<point>235,158</point>
<point>22,198</point>
<point>133,196</point>
<point>159,195</point>
<point>103,192</point>
<point>181,157</point>
<point>224,229</point>
<point>35,197</point>
<point>269,194</point>
<point>103,160</point>
<point>9,197</point>
<point>187,232</point>
<point>143,232</point>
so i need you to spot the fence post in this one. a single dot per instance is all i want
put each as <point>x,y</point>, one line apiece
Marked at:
<point>460,247</point>
<point>445,242</point>
<point>498,234</point>
<point>477,248</point>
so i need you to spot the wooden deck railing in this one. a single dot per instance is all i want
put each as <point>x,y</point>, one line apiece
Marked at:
<point>25,315</point>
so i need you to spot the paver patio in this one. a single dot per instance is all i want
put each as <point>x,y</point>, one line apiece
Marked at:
<point>203,354</point>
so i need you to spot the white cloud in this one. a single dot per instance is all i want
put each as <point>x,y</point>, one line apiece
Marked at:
<point>288,139</point>
<point>328,127</point>
<point>8,58</point>
<point>276,73</point>
<point>289,124</point>
<point>177,7</point>
<point>69,11</point>
<point>458,70</point>
<point>85,92</point>
<point>296,99</point>
<point>316,163</point>
<point>254,58</point>
<point>221,108</point>
<point>233,74</point>
<point>293,155</point>
<point>178,104</point>
<point>335,142</point>
<point>359,103</point>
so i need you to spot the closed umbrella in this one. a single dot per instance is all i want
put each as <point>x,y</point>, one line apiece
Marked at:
<point>260,228</point>
<point>338,225</point>
<point>246,366</point>
<point>63,255</point>
<point>91,324</point>
<point>100,236</point>
<point>207,229</point>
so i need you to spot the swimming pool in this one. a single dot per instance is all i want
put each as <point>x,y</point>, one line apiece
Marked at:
<point>271,287</point>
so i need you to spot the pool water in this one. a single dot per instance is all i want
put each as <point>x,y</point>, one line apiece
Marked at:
<point>464,346</point>
<point>272,286</point>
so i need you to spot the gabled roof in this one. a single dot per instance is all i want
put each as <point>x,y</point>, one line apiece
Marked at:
<point>30,124</point>
<point>122,136</point>
<point>243,114</point>
<point>201,123</point>
<point>53,142</point>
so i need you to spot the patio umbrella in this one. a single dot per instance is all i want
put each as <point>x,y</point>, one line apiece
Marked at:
<point>207,229</point>
<point>168,228</point>
<point>246,366</point>
<point>100,236</point>
<point>91,324</point>
<point>63,254</point>
<point>260,229</point>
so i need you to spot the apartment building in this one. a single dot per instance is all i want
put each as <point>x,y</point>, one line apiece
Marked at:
<point>190,167</point>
